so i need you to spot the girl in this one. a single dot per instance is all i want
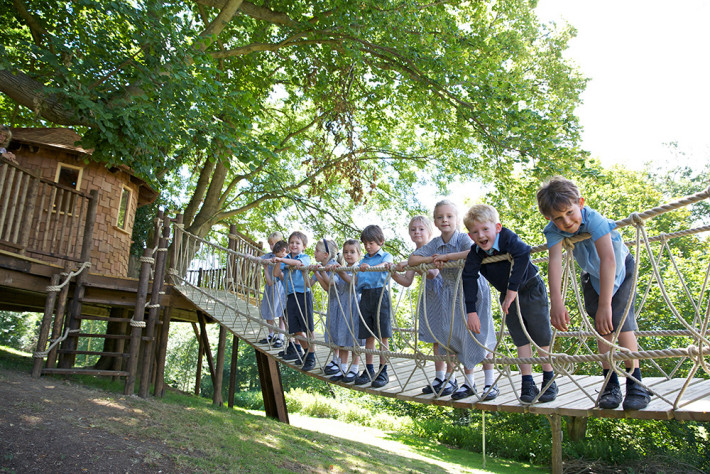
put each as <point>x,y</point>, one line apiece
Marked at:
<point>342,306</point>
<point>453,333</point>
<point>430,305</point>
<point>273,301</point>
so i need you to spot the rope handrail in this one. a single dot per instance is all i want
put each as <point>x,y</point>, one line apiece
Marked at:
<point>233,279</point>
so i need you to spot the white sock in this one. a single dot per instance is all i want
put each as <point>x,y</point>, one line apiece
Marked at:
<point>488,374</point>
<point>336,360</point>
<point>469,379</point>
<point>355,368</point>
<point>440,375</point>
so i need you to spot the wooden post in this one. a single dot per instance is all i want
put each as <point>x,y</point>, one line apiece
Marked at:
<point>153,313</point>
<point>233,372</point>
<point>159,387</point>
<point>206,345</point>
<point>556,429</point>
<point>271,387</point>
<point>200,351</point>
<point>138,317</point>
<point>59,318</point>
<point>44,328</point>
<point>67,361</point>
<point>120,344</point>
<point>219,369</point>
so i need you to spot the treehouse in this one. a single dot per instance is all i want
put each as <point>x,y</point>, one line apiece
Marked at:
<point>64,175</point>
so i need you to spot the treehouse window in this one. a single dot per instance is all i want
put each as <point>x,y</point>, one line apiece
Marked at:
<point>69,176</point>
<point>122,220</point>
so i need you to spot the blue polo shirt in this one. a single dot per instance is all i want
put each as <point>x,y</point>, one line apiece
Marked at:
<point>371,280</point>
<point>293,277</point>
<point>585,252</point>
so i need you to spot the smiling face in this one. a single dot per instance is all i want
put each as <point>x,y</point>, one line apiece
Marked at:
<point>446,220</point>
<point>484,234</point>
<point>568,218</point>
<point>419,233</point>
<point>295,245</point>
<point>351,254</point>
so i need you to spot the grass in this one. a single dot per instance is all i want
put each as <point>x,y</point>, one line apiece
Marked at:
<point>199,437</point>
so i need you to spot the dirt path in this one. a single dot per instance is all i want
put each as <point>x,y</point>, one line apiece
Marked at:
<point>46,426</point>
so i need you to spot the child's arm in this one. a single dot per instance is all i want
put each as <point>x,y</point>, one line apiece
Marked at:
<point>440,259</point>
<point>607,274</point>
<point>473,322</point>
<point>267,273</point>
<point>278,272</point>
<point>559,317</point>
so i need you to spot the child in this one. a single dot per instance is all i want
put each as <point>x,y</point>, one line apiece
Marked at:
<point>454,333</point>
<point>490,238</point>
<point>374,305</point>
<point>341,303</point>
<point>273,302</point>
<point>607,278</point>
<point>420,231</point>
<point>5,137</point>
<point>299,302</point>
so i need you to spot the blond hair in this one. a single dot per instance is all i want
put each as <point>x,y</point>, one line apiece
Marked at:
<point>426,222</point>
<point>481,213</point>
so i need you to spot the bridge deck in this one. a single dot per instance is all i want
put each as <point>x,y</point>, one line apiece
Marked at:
<point>407,380</point>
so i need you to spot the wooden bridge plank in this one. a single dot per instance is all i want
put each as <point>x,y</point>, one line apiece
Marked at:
<point>407,381</point>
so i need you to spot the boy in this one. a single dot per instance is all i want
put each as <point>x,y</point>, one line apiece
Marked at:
<point>607,278</point>
<point>274,300</point>
<point>491,238</point>
<point>374,304</point>
<point>299,302</point>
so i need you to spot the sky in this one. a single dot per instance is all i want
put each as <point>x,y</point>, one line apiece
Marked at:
<point>649,73</point>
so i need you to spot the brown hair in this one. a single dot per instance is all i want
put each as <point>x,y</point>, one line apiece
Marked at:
<point>373,233</point>
<point>556,195</point>
<point>300,235</point>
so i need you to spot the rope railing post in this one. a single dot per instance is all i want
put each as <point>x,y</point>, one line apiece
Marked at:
<point>137,322</point>
<point>153,311</point>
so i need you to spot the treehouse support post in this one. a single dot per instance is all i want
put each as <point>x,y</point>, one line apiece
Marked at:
<point>44,328</point>
<point>233,372</point>
<point>137,323</point>
<point>271,387</point>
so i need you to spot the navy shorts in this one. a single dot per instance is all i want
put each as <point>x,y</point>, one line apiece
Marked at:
<point>618,301</point>
<point>535,307</point>
<point>377,323</point>
<point>299,307</point>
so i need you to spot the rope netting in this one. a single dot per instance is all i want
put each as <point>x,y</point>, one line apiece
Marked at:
<point>672,310</point>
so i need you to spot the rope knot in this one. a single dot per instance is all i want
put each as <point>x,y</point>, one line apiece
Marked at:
<point>567,244</point>
<point>636,219</point>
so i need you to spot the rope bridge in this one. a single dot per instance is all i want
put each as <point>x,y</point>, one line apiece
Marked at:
<point>673,312</point>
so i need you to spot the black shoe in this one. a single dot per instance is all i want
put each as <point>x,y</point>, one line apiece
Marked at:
<point>296,355</point>
<point>331,369</point>
<point>528,391</point>
<point>637,397</point>
<point>549,394</point>
<point>310,362</point>
<point>434,386</point>
<point>349,377</point>
<point>337,378</point>
<point>290,349</point>
<point>266,340</point>
<point>490,392</point>
<point>451,387</point>
<point>464,392</point>
<point>365,377</point>
<point>277,342</point>
<point>611,397</point>
<point>381,380</point>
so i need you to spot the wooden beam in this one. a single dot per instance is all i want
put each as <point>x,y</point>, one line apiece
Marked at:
<point>159,387</point>
<point>217,395</point>
<point>271,387</point>
<point>233,372</point>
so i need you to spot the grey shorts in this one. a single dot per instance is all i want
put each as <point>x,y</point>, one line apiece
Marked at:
<point>618,301</point>
<point>379,324</point>
<point>536,314</point>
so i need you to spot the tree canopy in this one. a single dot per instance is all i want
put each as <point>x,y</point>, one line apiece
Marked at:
<point>299,110</point>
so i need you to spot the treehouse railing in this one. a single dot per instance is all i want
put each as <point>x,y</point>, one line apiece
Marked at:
<point>39,217</point>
